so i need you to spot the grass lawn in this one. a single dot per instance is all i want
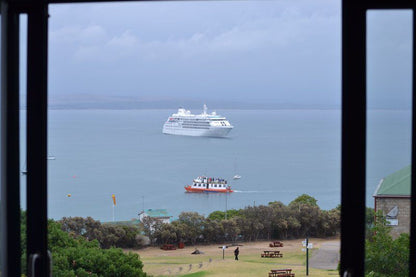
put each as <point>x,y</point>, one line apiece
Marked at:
<point>181,263</point>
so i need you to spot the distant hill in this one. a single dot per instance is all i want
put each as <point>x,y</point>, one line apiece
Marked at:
<point>91,101</point>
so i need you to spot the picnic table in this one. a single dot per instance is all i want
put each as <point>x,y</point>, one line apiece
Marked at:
<point>276,244</point>
<point>168,247</point>
<point>271,254</point>
<point>286,272</point>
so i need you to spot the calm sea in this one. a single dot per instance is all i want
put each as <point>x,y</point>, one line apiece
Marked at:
<point>280,154</point>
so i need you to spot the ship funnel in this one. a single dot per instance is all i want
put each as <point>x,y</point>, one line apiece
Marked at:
<point>205,109</point>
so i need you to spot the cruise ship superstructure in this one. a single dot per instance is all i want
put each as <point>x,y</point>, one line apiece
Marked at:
<point>185,123</point>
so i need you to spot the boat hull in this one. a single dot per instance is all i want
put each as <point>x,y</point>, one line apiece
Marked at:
<point>208,132</point>
<point>191,189</point>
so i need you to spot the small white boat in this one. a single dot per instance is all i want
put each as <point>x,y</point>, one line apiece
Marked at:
<point>51,158</point>
<point>236,177</point>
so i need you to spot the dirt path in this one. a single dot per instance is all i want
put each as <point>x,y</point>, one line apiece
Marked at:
<point>327,256</point>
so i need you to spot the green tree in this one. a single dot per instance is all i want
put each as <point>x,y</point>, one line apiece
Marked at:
<point>245,228</point>
<point>213,231</point>
<point>166,233</point>
<point>254,221</point>
<point>220,215</point>
<point>180,229</point>
<point>329,223</point>
<point>75,255</point>
<point>386,256</point>
<point>293,226</point>
<point>230,228</point>
<point>193,223</point>
<point>108,235</point>
<point>151,227</point>
<point>217,215</point>
<point>369,216</point>
<point>79,226</point>
<point>80,257</point>
<point>304,199</point>
<point>308,216</point>
<point>279,221</point>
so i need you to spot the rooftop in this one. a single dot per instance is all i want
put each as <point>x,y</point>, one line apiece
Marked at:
<point>395,184</point>
<point>157,213</point>
<point>133,222</point>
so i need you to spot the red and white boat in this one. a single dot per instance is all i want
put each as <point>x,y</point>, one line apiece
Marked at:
<point>205,184</point>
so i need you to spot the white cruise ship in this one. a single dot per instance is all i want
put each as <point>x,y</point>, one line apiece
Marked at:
<point>185,123</point>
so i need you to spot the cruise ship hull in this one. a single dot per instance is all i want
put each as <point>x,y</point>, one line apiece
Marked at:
<point>209,132</point>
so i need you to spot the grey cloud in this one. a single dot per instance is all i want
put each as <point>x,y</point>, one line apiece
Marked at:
<point>281,50</point>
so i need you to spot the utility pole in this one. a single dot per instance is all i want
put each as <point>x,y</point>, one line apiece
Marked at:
<point>114,205</point>
<point>307,256</point>
<point>113,213</point>
<point>226,204</point>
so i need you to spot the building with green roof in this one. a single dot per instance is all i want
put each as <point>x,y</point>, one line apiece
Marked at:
<point>392,197</point>
<point>157,214</point>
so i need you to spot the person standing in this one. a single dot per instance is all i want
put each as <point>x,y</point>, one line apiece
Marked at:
<point>236,252</point>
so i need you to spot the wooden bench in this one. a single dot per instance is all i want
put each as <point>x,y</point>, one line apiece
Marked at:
<point>168,247</point>
<point>276,244</point>
<point>286,272</point>
<point>271,254</point>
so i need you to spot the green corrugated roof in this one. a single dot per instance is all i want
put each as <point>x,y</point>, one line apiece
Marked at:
<point>397,183</point>
<point>133,222</point>
<point>157,213</point>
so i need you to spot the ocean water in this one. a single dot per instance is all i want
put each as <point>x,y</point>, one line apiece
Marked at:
<point>280,154</point>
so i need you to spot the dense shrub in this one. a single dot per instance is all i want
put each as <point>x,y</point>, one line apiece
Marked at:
<point>386,256</point>
<point>76,255</point>
<point>106,234</point>
<point>302,217</point>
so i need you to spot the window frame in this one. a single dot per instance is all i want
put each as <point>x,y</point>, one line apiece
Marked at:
<point>353,164</point>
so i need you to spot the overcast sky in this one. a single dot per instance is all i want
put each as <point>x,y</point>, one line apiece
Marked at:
<point>281,51</point>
